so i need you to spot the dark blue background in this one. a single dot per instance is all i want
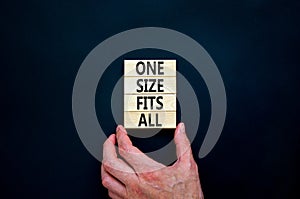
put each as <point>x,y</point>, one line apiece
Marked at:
<point>255,44</point>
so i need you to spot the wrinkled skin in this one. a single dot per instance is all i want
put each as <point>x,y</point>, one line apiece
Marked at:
<point>141,177</point>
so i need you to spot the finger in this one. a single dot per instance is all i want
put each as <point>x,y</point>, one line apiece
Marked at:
<point>183,146</point>
<point>112,184</point>
<point>114,196</point>
<point>136,158</point>
<point>125,142</point>
<point>115,166</point>
<point>109,150</point>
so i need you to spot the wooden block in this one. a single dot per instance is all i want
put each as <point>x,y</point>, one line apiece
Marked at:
<point>150,93</point>
<point>150,119</point>
<point>131,85</point>
<point>150,68</point>
<point>159,102</point>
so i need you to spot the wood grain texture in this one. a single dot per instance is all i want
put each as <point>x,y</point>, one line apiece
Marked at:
<point>150,93</point>
<point>168,101</point>
<point>130,85</point>
<point>169,67</point>
<point>166,119</point>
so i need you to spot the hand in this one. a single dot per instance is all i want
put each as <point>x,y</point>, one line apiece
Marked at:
<point>142,177</point>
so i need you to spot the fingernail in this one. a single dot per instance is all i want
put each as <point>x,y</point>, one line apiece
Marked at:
<point>120,128</point>
<point>182,128</point>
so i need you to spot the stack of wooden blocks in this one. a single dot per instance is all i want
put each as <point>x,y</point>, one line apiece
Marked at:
<point>150,93</point>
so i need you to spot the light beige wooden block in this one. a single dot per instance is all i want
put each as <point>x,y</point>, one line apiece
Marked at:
<point>150,119</point>
<point>131,85</point>
<point>158,102</point>
<point>150,67</point>
<point>150,93</point>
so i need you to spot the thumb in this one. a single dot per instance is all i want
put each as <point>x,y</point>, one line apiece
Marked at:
<point>183,146</point>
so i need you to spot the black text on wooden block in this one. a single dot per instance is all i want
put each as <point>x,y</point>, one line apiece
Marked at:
<point>150,93</point>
